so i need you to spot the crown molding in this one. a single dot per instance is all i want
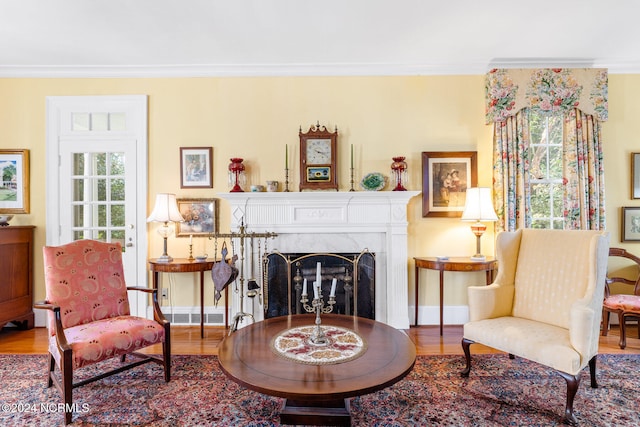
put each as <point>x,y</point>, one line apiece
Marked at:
<point>292,70</point>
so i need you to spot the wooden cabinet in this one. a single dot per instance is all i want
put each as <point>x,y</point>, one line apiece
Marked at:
<point>16,276</point>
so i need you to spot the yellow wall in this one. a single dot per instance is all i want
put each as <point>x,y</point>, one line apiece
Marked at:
<point>254,118</point>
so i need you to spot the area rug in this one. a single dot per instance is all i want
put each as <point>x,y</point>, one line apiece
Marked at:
<point>499,392</point>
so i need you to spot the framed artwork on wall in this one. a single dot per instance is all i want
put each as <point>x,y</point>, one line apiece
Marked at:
<point>630,224</point>
<point>200,217</point>
<point>635,175</point>
<point>446,175</point>
<point>14,187</point>
<point>196,167</point>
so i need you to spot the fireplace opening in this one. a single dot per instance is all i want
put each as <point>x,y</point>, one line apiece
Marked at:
<point>284,274</point>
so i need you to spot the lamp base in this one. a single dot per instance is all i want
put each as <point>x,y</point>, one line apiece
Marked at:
<point>478,257</point>
<point>164,258</point>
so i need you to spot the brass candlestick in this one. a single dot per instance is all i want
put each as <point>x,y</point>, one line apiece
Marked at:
<point>286,180</point>
<point>191,258</point>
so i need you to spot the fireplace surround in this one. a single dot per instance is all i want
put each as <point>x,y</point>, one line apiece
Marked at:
<point>335,222</point>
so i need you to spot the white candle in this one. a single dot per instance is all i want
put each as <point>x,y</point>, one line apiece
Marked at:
<point>190,239</point>
<point>304,288</point>
<point>333,287</point>
<point>319,273</point>
<point>315,290</point>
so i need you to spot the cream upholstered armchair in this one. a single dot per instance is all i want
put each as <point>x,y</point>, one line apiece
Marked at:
<point>545,304</point>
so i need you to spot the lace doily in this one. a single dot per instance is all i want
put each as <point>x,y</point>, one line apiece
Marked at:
<point>295,344</point>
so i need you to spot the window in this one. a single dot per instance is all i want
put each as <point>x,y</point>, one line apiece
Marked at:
<point>545,170</point>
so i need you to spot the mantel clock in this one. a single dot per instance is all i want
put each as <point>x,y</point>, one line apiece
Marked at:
<point>318,159</point>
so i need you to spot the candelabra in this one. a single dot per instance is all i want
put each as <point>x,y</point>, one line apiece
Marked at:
<point>318,306</point>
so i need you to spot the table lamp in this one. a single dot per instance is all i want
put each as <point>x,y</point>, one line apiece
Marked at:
<point>165,211</point>
<point>478,207</point>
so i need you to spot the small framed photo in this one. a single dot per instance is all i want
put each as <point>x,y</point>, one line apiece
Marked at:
<point>196,167</point>
<point>14,187</point>
<point>200,217</point>
<point>445,179</point>
<point>635,175</point>
<point>630,224</point>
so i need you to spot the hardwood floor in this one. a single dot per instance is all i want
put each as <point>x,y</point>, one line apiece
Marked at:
<point>186,340</point>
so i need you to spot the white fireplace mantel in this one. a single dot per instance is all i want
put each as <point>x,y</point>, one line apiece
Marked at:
<point>337,222</point>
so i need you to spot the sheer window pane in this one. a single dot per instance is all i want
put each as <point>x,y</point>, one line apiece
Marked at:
<point>117,163</point>
<point>102,215</point>
<point>100,161</point>
<point>117,189</point>
<point>78,216</point>
<point>78,164</point>
<point>80,121</point>
<point>117,122</point>
<point>78,186</point>
<point>117,216</point>
<point>100,122</point>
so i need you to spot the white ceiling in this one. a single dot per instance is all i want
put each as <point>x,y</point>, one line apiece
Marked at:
<point>77,38</point>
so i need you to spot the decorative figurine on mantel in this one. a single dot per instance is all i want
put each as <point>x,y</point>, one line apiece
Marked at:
<point>399,171</point>
<point>236,175</point>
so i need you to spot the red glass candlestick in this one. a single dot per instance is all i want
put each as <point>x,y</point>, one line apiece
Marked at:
<point>399,170</point>
<point>236,171</point>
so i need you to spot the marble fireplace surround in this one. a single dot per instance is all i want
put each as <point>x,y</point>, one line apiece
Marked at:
<point>336,222</point>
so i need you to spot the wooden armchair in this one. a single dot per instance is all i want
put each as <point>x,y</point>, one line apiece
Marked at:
<point>626,306</point>
<point>545,305</point>
<point>89,317</point>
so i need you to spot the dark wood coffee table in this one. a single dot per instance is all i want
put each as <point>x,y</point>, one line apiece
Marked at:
<point>316,394</point>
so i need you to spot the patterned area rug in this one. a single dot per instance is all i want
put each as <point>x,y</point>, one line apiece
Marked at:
<point>499,392</point>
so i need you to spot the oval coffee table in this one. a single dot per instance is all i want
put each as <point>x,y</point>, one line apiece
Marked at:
<point>316,394</point>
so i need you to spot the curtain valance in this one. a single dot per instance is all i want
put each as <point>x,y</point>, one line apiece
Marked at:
<point>548,90</point>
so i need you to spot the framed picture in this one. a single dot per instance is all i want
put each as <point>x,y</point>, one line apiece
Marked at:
<point>630,224</point>
<point>14,187</point>
<point>196,170</point>
<point>445,179</point>
<point>200,217</point>
<point>635,175</point>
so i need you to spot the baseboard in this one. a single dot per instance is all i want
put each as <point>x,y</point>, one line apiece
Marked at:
<point>451,315</point>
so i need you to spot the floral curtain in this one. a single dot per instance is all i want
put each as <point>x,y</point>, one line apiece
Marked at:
<point>583,173</point>
<point>580,95</point>
<point>511,172</point>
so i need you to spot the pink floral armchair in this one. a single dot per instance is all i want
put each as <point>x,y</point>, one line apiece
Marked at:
<point>89,317</point>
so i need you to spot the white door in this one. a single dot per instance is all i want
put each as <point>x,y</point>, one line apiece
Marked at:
<point>96,177</point>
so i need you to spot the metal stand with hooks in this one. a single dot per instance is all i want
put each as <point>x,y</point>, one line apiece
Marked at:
<point>241,235</point>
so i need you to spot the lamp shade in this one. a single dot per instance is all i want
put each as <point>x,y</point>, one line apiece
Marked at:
<point>478,206</point>
<point>166,209</point>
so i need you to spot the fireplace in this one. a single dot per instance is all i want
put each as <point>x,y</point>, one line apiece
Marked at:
<point>336,223</point>
<point>286,274</point>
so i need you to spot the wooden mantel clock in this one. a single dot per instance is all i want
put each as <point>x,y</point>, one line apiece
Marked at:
<point>318,159</point>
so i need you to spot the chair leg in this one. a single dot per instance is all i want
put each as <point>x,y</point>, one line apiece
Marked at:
<point>592,371</point>
<point>605,322</point>
<point>52,367</point>
<point>166,353</point>
<point>67,385</point>
<point>573,382</point>
<point>623,331</point>
<point>467,354</point>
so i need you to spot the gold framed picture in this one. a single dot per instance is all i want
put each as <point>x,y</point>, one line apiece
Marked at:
<point>200,217</point>
<point>14,187</point>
